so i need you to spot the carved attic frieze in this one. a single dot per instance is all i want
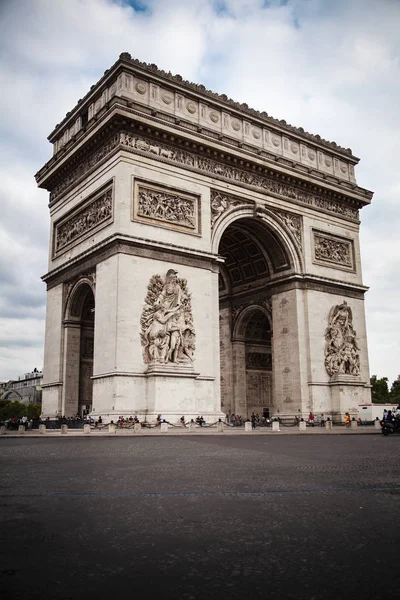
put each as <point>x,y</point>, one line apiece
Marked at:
<point>190,160</point>
<point>341,349</point>
<point>167,331</point>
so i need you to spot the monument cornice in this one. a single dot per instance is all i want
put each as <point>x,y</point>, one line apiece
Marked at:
<point>296,281</point>
<point>119,106</point>
<point>175,83</point>
<point>188,153</point>
<point>125,244</point>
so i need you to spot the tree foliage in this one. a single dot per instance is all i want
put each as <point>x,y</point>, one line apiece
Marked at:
<point>380,390</point>
<point>10,409</point>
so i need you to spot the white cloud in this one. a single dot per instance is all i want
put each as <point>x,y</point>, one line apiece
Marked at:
<point>332,68</point>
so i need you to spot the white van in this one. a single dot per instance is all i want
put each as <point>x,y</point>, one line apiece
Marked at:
<point>369,412</point>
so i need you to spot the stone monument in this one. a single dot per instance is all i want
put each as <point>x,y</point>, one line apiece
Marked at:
<point>204,258</point>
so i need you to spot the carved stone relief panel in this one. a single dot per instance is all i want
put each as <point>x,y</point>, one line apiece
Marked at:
<point>96,212</point>
<point>341,349</point>
<point>167,331</point>
<point>333,251</point>
<point>259,360</point>
<point>293,223</point>
<point>165,207</point>
<point>221,202</point>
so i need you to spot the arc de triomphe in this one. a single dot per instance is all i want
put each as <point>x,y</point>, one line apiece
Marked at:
<point>204,258</point>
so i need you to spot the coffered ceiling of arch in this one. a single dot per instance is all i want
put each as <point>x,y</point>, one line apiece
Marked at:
<point>252,253</point>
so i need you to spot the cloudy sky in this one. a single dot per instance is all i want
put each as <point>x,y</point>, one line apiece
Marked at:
<point>331,67</point>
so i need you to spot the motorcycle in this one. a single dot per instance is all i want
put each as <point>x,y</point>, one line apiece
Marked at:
<point>392,426</point>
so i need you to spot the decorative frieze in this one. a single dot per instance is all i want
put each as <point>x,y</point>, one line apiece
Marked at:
<point>259,360</point>
<point>167,330</point>
<point>229,172</point>
<point>341,349</point>
<point>165,207</point>
<point>333,251</point>
<point>199,163</point>
<point>97,211</point>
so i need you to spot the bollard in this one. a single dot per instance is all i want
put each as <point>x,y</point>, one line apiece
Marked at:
<point>42,428</point>
<point>21,429</point>
<point>164,427</point>
<point>354,425</point>
<point>112,428</point>
<point>86,428</point>
<point>3,430</point>
<point>64,429</point>
<point>137,428</point>
<point>247,426</point>
<point>302,426</point>
<point>192,426</point>
<point>328,426</point>
<point>377,424</point>
<point>220,426</point>
<point>275,426</point>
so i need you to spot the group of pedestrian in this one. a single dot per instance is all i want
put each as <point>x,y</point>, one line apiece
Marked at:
<point>315,419</point>
<point>390,415</point>
<point>125,421</point>
<point>235,420</point>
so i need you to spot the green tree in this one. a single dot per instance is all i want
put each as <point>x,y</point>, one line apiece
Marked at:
<point>33,411</point>
<point>10,409</point>
<point>395,391</point>
<point>380,390</point>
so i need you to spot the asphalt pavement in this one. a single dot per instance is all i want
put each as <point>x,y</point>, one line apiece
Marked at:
<point>193,517</point>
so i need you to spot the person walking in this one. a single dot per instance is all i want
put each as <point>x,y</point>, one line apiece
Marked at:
<point>253,420</point>
<point>347,419</point>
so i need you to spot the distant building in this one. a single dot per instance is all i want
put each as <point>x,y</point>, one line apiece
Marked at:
<point>27,388</point>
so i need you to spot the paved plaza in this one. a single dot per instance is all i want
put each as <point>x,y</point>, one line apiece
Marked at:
<point>194,517</point>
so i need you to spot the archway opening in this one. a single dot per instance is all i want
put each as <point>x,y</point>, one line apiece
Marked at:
<point>78,384</point>
<point>258,356</point>
<point>254,256</point>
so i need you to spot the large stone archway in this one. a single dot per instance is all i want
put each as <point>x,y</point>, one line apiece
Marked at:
<point>259,259</point>
<point>217,237</point>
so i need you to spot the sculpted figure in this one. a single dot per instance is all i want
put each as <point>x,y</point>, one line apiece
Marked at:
<point>341,349</point>
<point>168,334</point>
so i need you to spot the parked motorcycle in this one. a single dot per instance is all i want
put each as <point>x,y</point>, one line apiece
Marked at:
<point>392,426</point>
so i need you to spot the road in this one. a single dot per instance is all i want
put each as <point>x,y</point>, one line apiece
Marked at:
<point>200,517</point>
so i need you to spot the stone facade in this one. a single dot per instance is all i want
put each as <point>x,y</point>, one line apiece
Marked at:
<point>202,258</point>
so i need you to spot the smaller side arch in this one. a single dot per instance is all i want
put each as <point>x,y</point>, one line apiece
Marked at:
<point>239,327</point>
<point>76,298</point>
